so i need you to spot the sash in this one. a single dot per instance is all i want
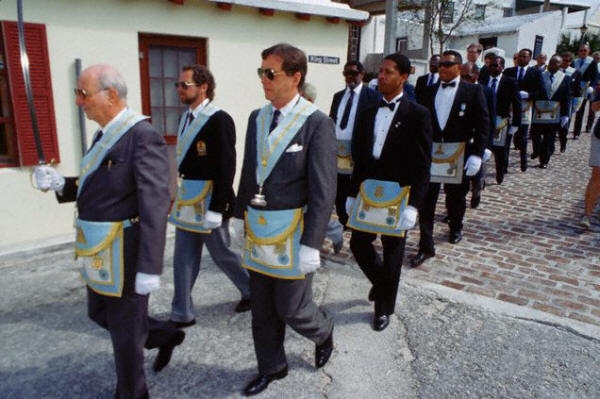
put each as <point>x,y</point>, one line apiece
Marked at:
<point>378,207</point>
<point>577,102</point>
<point>186,138</point>
<point>272,146</point>
<point>500,132</point>
<point>447,162</point>
<point>569,71</point>
<point>345,165</point>
<point>192,202</point>
<point>92,160</point>
<point>583,66</point>
<point>273,242</point>
<point>99,251</point>
<point>546,112</point>
<point>526,112</point>
<point>551,87</point>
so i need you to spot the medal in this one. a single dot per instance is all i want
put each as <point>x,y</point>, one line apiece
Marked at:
<point>259,198</point>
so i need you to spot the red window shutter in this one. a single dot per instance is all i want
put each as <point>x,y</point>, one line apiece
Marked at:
<point>41,82</point>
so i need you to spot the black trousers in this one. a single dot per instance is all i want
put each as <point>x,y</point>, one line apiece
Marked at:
<point>343,191</point>
<point>579,118</point>
<point>547,138</point>
<point>383,274</point>
<point>523,137</point>
<point>455,205</point>
<point>562,136</point>
<point>276,302</point>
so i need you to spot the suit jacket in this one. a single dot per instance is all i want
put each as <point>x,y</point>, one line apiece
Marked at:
<point>531,82</point>
<point>591,73</point>
<point>576,84</point>
<point>507,96</point>
<point>133,180</point>
<point>473,124</point>
<point>303,178</point>
<point>491,102</point>
<point>562,94</point>
<point>409,92</point>
<point>217,163</point>
<point>420,87</point>
<point>406,154</point>
<point>484,74</point>
<point>366,98</point>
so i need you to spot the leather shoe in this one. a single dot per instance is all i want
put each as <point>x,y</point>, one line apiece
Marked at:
<point>261,382</point>
<point>523,167</point>
<point>380,322</point>
<point>533,155</point>
<point>499,178</point>
<point>420,258</point>
<point>475,199</point>
<point>543,166</point>
<point>455,237</point>
<point>243,305</point>
<point>165,351</point>
<point>323,352</point>
<point>183,324</point>
<point>337,246</point>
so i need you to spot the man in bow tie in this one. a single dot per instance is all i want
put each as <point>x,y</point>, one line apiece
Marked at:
<point>460,114</point>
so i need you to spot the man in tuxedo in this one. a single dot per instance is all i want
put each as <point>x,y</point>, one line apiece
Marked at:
<point>460,114</point>
<point>556,93</point>
<point>347,104</point>
<point>529,81</point>
<point>588,68</point>
<point>392,143</point>
<point>506,94</point>
<point>429,79</point>
<point>576,93</point>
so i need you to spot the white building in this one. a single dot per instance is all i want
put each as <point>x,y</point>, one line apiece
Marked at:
<point>148,42</point>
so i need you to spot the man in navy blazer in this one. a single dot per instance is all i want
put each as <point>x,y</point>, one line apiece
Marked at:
<point>429,79</point>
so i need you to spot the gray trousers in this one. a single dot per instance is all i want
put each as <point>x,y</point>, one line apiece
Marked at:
<point>335,230</point>
<point>275,303</point>
<point>186,265</point>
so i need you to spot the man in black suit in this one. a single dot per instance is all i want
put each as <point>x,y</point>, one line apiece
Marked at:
<point>589,73</point>
<point>347,104</point>
<point>576,94</point>
<point>123,185</point>
<point>555,94</point>
<point>460,114</point>
<point>429,79</point>
<point>529,81</point>
<point>484,72</point>
<point>506,93</point>
<point>392,143</point>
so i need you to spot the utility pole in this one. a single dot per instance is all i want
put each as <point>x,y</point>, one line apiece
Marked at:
<point>391,22</point>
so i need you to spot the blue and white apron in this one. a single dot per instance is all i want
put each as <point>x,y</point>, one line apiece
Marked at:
<point>345,165</point>
<point>500,132</point>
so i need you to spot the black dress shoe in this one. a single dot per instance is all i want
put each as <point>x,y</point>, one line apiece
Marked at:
<point>523,167</point>
<point>420,258</point>
<point>475,198</point>
<point>534,155</point>
<point>455,237</point>
<point>243,306</point>
<point>183,324</point>
<point>323,352</point>
<point>499,178</point>
<point>261,382</point>
<point>543,166</point>
<point>165,351</point>
<point>380,322</point>
<point>337,247</point>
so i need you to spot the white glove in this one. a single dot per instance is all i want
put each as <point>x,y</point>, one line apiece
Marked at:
<point>47,178</point>
<point>212,220</point>
<point>473,164</point>
<point>236,230</point>
<point>564,121</point>
<point>524,95</point>
<point>512,130</point>
<point>407,218</point>
<point>146,283</point>
<point>309,259</point>
<point>349,204</point>
<point>589,92</point>
<point>487,154</point>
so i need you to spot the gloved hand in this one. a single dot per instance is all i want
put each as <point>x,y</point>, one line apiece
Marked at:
<point>472,165</point>
<point>487,154</point>
<point>47,178</point>
<point>524,95</point>
<point>349,204</point>
<point>512,130</point>
<point>589,92</point>
<point>146,283</point>
<point>236,230</point>
<point>564,121</point>
<point>309,259</point>
<point>408,218</point>
<point>212,220</point>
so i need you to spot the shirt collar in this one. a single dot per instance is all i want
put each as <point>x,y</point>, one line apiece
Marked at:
<point>113,121</point>
<point>288,107</point>
<point>456,79</point>
<point>199,107</point>
<point>497,77</point>
<point>357,89</point>
<point>395,99</point>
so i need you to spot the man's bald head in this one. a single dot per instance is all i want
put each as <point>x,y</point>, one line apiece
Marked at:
<point>107,77</point>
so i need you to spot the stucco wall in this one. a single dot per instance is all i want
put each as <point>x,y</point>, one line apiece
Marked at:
<point>107,32</point>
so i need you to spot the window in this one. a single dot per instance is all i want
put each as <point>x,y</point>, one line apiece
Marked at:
<point>489,42</point>
<point>17,143</point>
<point>401,44</point>
<point>479,12</point>
<point>447,12</point>
<point>161,60</point>
<point>537,46</point>
<point>508,12</point>
<point>354,42</point>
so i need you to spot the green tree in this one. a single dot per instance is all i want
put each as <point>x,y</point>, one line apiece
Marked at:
<point>567,43</point>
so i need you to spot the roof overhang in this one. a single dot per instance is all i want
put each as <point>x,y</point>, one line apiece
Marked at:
<point>376,7</point>
<point>573,5</point>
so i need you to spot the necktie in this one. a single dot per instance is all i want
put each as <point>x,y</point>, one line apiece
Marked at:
<point>520,77</point>
<point>274,121</point>
<point>494,81</point>
<point>451,84</point>
<point>97,138</point>
<point>346,114</point>
<point>551,78</point>
<point>188,121</point>
<point>384,103</point>
<point>430,82</point>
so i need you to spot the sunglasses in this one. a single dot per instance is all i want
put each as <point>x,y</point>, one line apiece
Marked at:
<point>351,72</point>
<point>183,85</point>
<point>468,77</point>
<point>84,94</point>
<point>448,64</point>
<point>268,72</point>
<point>494,64</point>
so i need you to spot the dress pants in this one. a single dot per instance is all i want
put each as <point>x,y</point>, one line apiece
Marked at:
<point>579,119</point>
<point>455,205</point>
<point>523,138</point>
<point>186,266</point>
<point>501,157</point>
<point>562,136</point>
<point>276,302</point>
<point>547,139</point>
<point>335,230</point>
<point>343,191</point>
<point>590,118</point>
<point>384,275</point>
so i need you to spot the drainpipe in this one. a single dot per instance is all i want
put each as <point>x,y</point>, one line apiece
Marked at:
<point>80,116</point>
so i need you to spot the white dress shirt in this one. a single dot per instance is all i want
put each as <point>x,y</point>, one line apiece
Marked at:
<point>383,121</point>
<point>112,121</point>
<point>435,78</point>
<point>444,100</point>
<point>287,107</point>
<point>497,82</point>
<point>524,71</point>
<point>194,113</point>
<point>346,134</point>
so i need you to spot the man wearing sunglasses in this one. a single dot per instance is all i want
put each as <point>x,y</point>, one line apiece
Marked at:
<point>588,68</point>
<point>286,195</point>
<point>205,153</point>
<point>345,107</point>
<point>429,79</point>
<point>460,114</point>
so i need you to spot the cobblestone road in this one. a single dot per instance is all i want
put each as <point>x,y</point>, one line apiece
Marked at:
<point>523,244</point>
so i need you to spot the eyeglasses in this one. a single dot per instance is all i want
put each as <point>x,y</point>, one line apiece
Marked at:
<point>268,72</point>
<point>494,64</point>
<point>350,72</point>
<point>448,64</point>
<point>84,94</point>
<point>183,85</point>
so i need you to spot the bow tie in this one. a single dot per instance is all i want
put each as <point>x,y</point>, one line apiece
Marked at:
<point>451,84</point>
<point>384,103</point>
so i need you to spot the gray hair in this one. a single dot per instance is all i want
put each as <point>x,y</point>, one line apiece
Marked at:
<point>110,78</point>
<point>309,91</point>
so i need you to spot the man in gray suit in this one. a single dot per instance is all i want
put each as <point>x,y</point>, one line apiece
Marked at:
<point>292,186</point>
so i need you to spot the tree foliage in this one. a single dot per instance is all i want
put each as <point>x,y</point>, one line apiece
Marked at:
<point>566,43</point>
